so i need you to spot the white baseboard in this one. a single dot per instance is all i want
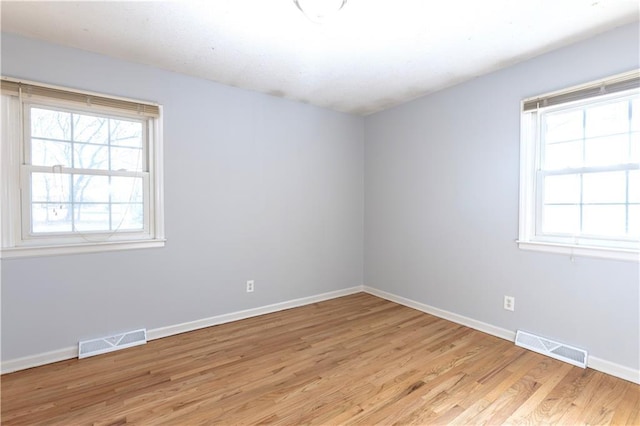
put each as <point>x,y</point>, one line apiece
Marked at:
<point>158,333</point>
<point>595,363</point>
<point>161,332</point>
<point>40,359</point>
<point>614,369</point>
<point>441,313</point>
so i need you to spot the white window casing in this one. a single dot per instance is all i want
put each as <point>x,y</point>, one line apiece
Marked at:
<point>21,235</point>
<point>565,179</point>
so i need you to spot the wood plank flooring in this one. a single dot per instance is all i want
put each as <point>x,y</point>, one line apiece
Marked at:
<point>352,360</point>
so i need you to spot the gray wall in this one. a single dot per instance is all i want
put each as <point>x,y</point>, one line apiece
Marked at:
<point>256,188</point>
<point>441,209</point>
<point>266,189</point>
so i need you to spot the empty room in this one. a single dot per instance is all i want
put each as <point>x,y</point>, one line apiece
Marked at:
<point>320,212</point>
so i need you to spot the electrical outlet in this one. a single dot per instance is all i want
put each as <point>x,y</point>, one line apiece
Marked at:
<point>510,303</point>
<point>250,285</point>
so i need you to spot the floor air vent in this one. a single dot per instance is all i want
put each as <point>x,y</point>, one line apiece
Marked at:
<point>553,349</point>
<point>112,343</point>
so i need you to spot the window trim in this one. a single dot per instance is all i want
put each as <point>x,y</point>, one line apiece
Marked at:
<point>530,185</point>
<point>13,175</point>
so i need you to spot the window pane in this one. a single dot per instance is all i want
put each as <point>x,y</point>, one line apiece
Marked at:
<point>127,216</point>
<point>563,126</point>
<point>126,133</point>
<point>126,190</point>
<point>563,155</point>
<point>88,128</point>
<point>562,189</point>
<point>561,220</point>
<point>607,119</point>
<point>48,153</point>
<point>608,187</point>
<point>607,151</point>
<point>129,159</point>
<point>91,217</point>
<point>634,186</point>
<point>603,220</point>
<point>635,115</point>
<point>50,124</point>
<point>634,221</point>
<point>90,156</point>
<point>50,217</point>
<point>88,188</point>
<point>50,187</point>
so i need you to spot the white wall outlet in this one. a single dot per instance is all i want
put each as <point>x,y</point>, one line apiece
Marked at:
<point>510,303</point>
<point>250,285</point>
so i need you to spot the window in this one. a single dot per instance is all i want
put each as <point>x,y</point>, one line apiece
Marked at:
<point>580,170</point>
<point>80,172</point>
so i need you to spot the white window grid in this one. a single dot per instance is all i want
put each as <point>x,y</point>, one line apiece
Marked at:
<point>581,238</point>
<point>69,172</point>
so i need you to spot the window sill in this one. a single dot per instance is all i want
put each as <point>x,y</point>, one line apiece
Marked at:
<point>19,252</point>
<point>597,252</point>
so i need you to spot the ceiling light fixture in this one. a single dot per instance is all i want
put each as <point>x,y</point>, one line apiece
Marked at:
<point>319,11</point>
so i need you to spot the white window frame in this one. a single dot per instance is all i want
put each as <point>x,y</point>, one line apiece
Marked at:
<point>531,173</point>
<point>15,211</point>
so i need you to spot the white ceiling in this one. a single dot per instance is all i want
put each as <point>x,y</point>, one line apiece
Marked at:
<point>375,54</point>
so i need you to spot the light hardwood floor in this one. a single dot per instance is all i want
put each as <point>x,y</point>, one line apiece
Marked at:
<point>353,360</point>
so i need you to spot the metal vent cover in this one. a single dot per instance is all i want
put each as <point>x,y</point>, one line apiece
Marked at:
<point>103,345</point>
<point>561,351</point>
